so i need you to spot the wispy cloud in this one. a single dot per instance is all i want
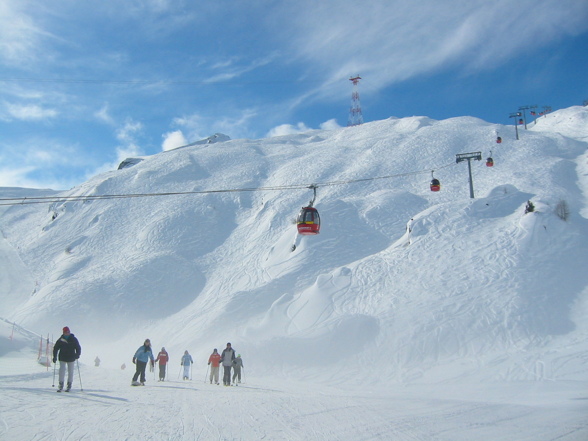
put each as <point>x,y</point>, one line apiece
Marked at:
<point>111,79</point>
<point>394,40</point>
<point>40,163</point>
<point>20,35</point>
<point>128,131</point>
<point>233,69</point>
<point>235,124</point>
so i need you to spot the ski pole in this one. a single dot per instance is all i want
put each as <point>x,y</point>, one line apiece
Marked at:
<point>181,366</point>
<point>80,376</point>
<point>206,375</point>
<point>54,366</point>
<point>191,364</point>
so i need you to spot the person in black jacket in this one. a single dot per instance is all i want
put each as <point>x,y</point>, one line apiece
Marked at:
<point>227,358</point>
<point>69,350</point>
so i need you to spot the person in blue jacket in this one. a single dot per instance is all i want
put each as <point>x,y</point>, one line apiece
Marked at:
<point>140,359</point>
<point>187,363</point>
<point>69,350</point>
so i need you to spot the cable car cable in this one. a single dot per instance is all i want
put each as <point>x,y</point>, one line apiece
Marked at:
<point>60,199</point>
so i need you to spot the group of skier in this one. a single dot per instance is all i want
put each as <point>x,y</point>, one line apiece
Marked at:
<point>228,359</point>
<point>68,350</point>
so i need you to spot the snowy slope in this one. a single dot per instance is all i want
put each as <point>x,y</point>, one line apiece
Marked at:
<point>476,291</point>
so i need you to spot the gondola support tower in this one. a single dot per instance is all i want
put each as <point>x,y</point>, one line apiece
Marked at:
<point>355,115</point>
<point>468,157</point>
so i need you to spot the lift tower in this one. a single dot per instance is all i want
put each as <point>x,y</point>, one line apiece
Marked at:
<point>355,115</point>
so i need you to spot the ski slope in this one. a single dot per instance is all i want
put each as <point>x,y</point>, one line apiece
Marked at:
<point>413,315</point>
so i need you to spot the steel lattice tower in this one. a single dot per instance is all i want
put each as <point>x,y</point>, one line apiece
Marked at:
<point>355,115</point>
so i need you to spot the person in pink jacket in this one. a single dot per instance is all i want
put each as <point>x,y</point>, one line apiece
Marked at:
<point>162,358</point>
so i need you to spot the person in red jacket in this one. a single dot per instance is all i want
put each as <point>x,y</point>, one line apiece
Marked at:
<point>214,363</point>
<point>163,358</point>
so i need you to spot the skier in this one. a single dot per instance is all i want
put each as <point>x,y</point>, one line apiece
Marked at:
<point>140,359</point>
<point>187,363</point>
<point>163,358</point>
<point>97,361</point>
<point>227,358</point>
<point>69,350</point>
<point>214,363</point>
<point>237,365</point>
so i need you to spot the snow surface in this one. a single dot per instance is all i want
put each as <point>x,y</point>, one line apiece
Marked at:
<point>413,315</point>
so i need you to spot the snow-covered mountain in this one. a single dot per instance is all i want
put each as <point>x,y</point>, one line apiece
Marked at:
<point>403,287</point>
<point>477,288</point>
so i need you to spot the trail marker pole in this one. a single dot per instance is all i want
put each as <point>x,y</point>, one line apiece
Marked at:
<point>468,157</point>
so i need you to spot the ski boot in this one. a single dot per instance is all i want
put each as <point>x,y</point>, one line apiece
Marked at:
<point>68,387</point>
<point>60,388</point>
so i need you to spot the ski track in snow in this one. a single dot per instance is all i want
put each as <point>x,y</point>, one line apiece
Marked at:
<point>109,408</point>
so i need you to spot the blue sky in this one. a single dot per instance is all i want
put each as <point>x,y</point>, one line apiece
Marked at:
<point>84,85</point>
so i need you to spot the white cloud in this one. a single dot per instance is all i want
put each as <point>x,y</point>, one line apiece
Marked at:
<point>21,36</point>
<point>194,124</point>
<point>40,163</point>
<point>197,127</point>
<point>18,177</point>
<point>288,129</point>
<point>128,132</point>
<point>28,112</point>
<point>103,115</point>
<point>172,140</point>
<point>128,135</point>
<point>330,125</point>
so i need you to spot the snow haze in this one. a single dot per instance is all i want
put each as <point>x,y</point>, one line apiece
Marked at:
<point>413,315</point>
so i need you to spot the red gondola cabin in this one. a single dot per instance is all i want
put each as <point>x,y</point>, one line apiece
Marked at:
<point>435,185</point>
<point>489,162</point>
<point>498,140</point>
<point>309,221</point>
